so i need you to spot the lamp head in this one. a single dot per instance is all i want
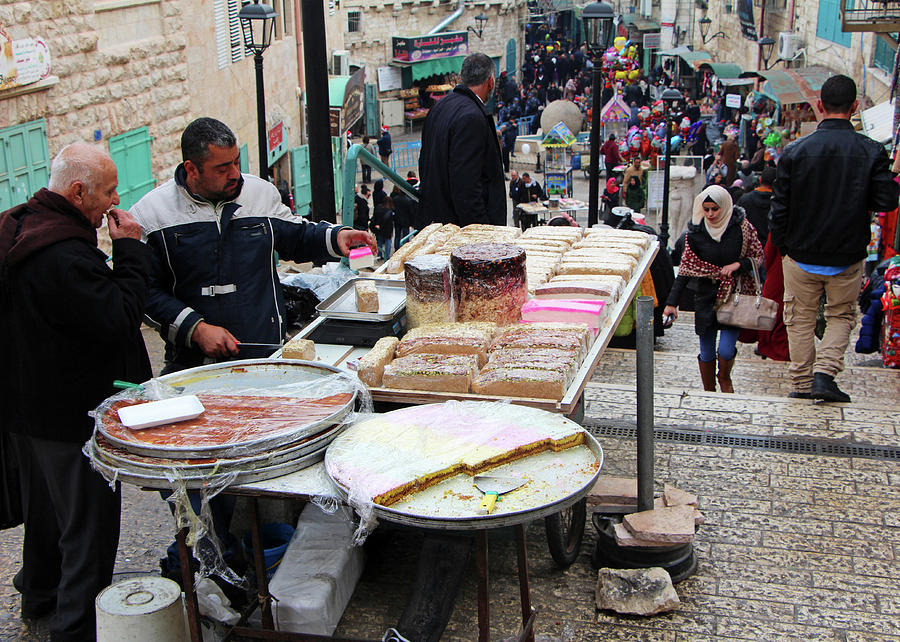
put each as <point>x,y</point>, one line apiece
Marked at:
<point>705,24</point>
<point>598,22</point>
<point>257,25</point>
<point>766,45</point>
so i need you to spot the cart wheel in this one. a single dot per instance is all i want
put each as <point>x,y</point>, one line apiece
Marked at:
<point>565,531</point>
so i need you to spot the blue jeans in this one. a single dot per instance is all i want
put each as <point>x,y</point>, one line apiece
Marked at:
<point>727,344</point>
<point>384,248</point>
<point>399,234</point>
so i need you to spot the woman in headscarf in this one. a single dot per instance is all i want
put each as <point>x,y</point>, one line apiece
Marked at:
<point>610,197</point>
<point>720,245</point>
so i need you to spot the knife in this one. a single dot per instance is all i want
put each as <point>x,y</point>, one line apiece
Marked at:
<point>492,487</point>
<point>270,346</point>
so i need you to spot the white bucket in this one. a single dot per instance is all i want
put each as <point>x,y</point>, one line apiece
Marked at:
<point>143,609</point>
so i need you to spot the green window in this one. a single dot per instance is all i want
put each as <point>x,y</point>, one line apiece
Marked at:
<point>828,25</point>
<point>131,154</point>
<point>883,56</point>
<point>245,159</point>
<point>300,179</point>
<point>24,162</point>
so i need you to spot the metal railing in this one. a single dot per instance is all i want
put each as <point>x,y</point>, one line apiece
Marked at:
<point>406,155</point>
<point>356,153</point>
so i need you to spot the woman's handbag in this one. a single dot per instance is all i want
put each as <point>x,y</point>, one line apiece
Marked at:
<point>747,311</point>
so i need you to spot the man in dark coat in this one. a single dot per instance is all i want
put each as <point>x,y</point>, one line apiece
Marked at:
<point>460,162</point>
<point>756,204</point>
<point>63,306</point>
<point>361,214</point>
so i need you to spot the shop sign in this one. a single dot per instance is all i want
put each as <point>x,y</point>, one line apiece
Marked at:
<point>389,78</point>
<point>334,120</point>
<point>276,136</point>
<point>651,40</point>
<point>733,101</point>
<point>354,98</point>
<point>22,62</point>
<point>745,15</point>
<point>438,45</point>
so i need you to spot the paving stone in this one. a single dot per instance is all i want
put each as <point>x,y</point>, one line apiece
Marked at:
<point>663,525</point>
<point>750,629</point>
<point>838,618</point>
<point>626,539</point>
<point>858,600</point>
<point>636,591</point>
<point>780,524</point>
<point>613,490</point>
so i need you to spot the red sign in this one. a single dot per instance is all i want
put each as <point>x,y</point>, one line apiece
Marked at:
<point>276,136</point>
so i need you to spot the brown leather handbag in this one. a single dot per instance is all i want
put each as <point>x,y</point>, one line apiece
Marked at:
<point>748,311</point>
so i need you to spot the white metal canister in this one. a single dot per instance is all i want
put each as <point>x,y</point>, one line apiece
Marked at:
<point>141,609</point>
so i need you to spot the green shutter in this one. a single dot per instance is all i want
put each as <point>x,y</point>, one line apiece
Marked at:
<point>300,179</point>
<point>371,110</point>
<point>511,57</point>
<point>24,162</point>
<point>338,162</point>
<point>828,24</point>
<point>131,154</point>
<point>245,159</point>
<point>883,54</point>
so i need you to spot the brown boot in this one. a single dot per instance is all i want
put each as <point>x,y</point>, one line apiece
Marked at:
<point>724,375</point>
<point>707,374</point>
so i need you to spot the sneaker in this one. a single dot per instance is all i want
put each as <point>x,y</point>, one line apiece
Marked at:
<point>800,395</point>
<point>826,389</point>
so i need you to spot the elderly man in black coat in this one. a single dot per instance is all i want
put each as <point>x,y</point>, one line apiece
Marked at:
<point>460,162</point>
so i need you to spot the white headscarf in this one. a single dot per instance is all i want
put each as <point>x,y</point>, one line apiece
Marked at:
<point>723,199</point>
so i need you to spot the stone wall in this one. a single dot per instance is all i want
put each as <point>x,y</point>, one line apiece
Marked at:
<point>105,83</point>
<point>854,61</point>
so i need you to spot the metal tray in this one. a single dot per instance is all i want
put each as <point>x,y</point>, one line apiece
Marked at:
<point>342,304</point>
<point>195,482</point>
<point>238,375</point>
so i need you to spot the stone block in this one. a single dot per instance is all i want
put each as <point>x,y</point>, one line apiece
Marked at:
<point>613,490</point>
<point>676,497</point>
<point>645,591</point>
<point>669,525</point>
<point>625,538</point>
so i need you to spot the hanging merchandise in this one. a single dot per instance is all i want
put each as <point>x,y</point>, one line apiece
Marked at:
<point>890,304</point>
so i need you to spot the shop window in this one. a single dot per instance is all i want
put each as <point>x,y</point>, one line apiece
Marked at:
<point>354,21</point>
<point>883,54</point>
<point>828,25</point>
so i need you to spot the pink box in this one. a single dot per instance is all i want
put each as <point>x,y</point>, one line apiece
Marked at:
<point>361,257</point>
<point>592,313</point>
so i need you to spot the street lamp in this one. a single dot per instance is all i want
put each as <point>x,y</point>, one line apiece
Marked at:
<point>669,96</point>
<point>598,23</point>
<point>257,24</point>
<point>766,45</point>
<point>480,21</point>
<point>705,24</point>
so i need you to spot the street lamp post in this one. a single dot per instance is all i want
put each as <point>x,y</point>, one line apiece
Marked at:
<point>766,45</point>
<point>257,24</point>
<point>598,20</point>
<point>669,96</point>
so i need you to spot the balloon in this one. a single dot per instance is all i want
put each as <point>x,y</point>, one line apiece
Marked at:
<point>676,142</point>
<point>634,74</point>
<point>618,43</point>
<point>621,75</point>
<point>526,148</point>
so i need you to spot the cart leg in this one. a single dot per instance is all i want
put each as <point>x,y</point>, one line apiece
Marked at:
<point>528,613</point>
<point>262,582</point>
<point>187,580</point>
<point>484,613</point>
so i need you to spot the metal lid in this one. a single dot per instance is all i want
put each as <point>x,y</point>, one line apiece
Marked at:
<point>138,596</point>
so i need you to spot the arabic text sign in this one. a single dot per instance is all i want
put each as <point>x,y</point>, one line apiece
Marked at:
<point>438,45</point>
<point>354,96</point>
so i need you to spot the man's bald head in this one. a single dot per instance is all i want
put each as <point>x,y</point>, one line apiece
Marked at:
<point>86,176</point>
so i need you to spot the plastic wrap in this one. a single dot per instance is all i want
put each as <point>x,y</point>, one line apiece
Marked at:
<point>489,282</point>
<point>428,296</point>
<point>383,461</point>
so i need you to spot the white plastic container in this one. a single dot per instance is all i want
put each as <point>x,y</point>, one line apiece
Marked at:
<point>144,609</point>
<point>317,575</point>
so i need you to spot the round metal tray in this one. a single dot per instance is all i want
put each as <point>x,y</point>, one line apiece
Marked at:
<point>557,480</point>
<point>193,481</point>
<point>219,378</point>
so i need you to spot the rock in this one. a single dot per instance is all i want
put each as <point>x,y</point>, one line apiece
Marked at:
<point>663,526</point>
<point>613,490</point>
<point>562,110</point>
<point>699,518</point>
<point>644,591</point>
<point>677,497</point>
<point>625,539</point>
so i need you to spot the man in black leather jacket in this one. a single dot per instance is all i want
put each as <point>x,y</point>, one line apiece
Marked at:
<point>827,185</point>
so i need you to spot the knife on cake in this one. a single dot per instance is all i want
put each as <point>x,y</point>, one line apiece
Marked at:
<point>492,487</point>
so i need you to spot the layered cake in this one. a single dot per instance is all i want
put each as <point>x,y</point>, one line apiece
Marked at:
<point>428,298</point>
<point>391,456</point>
<point>489,282</point>
<point>434,372</point>
<point>449,338</point>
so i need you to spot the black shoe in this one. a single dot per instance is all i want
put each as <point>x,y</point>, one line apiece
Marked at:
<point>826,389</point>
<point>32,610</point>
<point>800,395</point>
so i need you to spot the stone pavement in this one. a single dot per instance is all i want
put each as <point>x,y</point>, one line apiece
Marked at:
<point>795,546</point>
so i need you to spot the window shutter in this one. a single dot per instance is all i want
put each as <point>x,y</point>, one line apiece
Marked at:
<point>223,43</point>
<point>234,31</point>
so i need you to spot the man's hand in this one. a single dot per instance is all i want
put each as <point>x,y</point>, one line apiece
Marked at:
<point>122,225</point>
<point>214,341</point>
<point>348,239</point>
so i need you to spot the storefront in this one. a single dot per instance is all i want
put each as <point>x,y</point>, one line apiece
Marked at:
<point>684,69</point>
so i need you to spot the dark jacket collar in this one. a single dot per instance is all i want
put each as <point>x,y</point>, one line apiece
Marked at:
<point>836,123</point>
<point>46,219</point>
<point>465,91</point>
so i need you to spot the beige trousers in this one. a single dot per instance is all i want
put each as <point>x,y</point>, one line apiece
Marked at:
<point>802,292</point>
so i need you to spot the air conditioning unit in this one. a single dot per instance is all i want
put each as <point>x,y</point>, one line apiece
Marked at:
<point>788,45</point>
<point>340,62</point>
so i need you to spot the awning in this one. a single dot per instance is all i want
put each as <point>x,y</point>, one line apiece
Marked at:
<point>801,85</point>
<point>721,69</point>
<point>685,54</point>
<point>336,87</point>
<point>738,82</point>
<point>430,67</point>
<point>639,22</point>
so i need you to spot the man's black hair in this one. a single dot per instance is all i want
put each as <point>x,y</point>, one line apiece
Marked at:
<point>202,133</point>
<point>767,177</point>
<point>476,69</point>
<point>611,137</point>
<point>838,94</point>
